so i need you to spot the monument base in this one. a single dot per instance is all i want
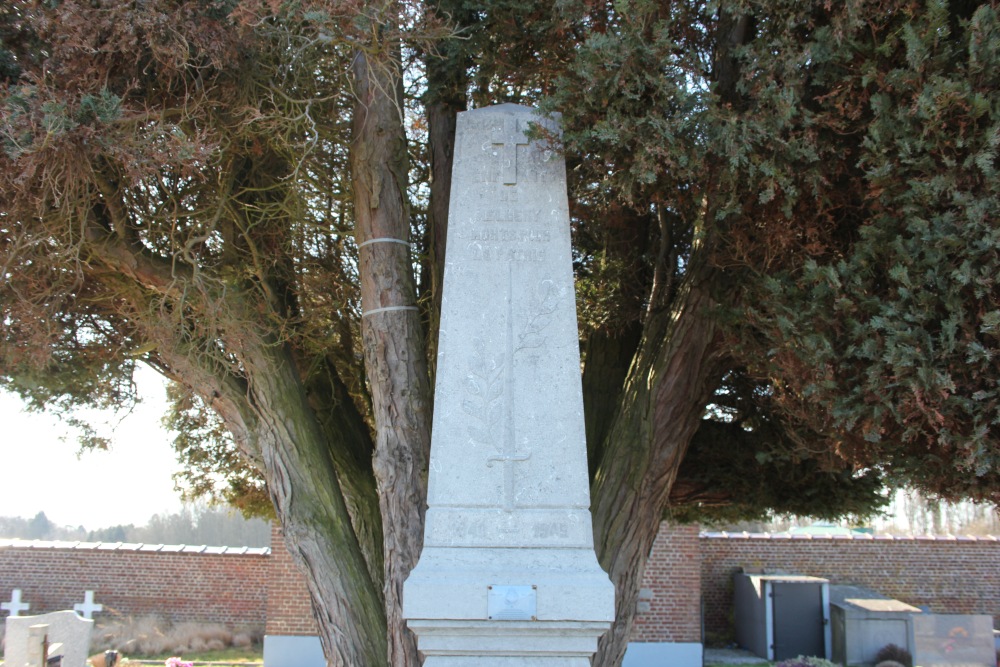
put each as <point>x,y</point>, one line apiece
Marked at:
<point>524,607</point>
<point>507,643</point>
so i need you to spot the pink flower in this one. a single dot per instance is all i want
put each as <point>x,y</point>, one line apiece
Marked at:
<point>177,662</point>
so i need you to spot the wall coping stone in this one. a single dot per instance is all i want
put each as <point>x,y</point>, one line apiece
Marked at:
<point>723,535</point>
<point>133,547</point>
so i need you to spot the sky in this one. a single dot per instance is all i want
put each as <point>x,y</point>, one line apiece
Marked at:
<point>41,469</point>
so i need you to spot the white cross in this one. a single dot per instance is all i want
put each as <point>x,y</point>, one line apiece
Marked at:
<point>15,606</point>
<point>87,607</point>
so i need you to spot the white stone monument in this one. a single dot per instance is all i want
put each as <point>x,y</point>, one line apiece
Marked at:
<point>508,574</point>
<point>64,627</point>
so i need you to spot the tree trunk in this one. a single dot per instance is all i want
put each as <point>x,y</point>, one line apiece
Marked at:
<point>661,406</point>
<point>307,498</point>
<point>441,121</point>
<point>271,420</point>
<point>351,447</point>
<point>608,356</point>
<point>392,335</point>
<point>447,79</point>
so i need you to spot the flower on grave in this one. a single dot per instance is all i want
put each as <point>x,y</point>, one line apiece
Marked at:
<point>177,662</point>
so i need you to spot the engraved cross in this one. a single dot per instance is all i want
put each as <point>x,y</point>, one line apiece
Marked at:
<point>509,137</point>
<point>508,459</point>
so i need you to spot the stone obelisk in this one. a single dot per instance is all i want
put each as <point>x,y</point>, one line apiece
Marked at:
<point>508,574</point>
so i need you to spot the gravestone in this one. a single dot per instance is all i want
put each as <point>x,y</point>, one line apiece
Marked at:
<point>64,627</point>
<point>16,605</point>
<point>88,607</point>
<point>955,640</point>
<point>508,574</point>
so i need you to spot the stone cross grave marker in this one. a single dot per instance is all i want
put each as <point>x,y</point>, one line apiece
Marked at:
<point>88,607</point>
<point>64,627</point>
<point>508,570</point>
<point>15,606</point>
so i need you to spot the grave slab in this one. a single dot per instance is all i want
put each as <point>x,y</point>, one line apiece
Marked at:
<point>508,573</point>
<point>65,627</point>
<point>953,640</point>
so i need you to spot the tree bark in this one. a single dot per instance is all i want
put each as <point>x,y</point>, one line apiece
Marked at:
<point>661,406</point>
<point>392,334</point>
<point>350,442</point>
<point>318,530</point>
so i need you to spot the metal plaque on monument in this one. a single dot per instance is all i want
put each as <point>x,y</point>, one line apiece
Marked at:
<point>508,574</point>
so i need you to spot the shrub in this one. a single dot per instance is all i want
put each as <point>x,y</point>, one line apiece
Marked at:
<point>891,652</point>
<point>889,663</point>
<point>805,661</point>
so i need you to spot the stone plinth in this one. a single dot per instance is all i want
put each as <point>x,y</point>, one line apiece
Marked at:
<point>508,574</point>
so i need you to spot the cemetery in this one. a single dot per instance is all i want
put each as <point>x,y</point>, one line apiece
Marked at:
<point>686,602</point>
<point>470,296</point>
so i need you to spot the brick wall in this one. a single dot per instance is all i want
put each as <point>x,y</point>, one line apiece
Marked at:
<point>289,611</point>
<point>671,597</point>
<point>178,583</point>
<point>685,574</point>
<point>947,574</point>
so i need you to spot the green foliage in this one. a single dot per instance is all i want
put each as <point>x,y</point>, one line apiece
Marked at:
<point>894,337</point>
<point>748,461</point>
<point>104,107</point>
<point>767,481</point>
<point>840,164</point>
<point>9,70</point>
<point>61,383</point>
